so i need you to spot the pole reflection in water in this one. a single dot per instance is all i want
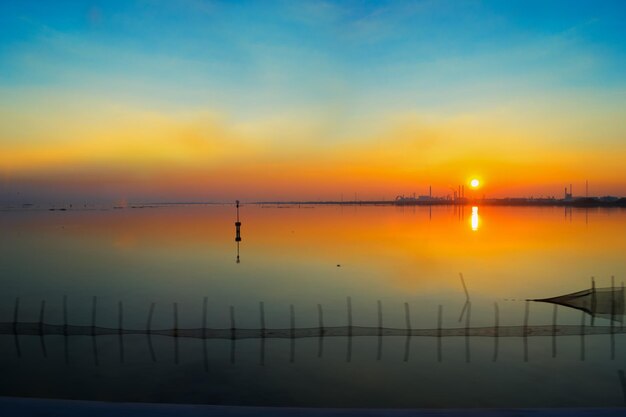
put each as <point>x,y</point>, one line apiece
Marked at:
<point>320,315</point>
<point>15,321</point>
<point>496,333</point>
<point>65,332</point>
<point>379,354</point>
<point>407,343</point>
<point>149,332</point>
<point>352,333</point>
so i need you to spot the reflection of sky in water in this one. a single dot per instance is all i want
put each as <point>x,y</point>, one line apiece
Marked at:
<point>308,256</point>
<point>290,256</point>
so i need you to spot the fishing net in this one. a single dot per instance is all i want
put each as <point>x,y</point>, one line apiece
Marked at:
<point>599,302</point>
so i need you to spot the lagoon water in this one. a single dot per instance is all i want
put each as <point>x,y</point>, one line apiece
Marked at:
<point>301,257</point>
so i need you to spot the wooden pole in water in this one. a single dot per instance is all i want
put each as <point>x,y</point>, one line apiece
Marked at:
<point>439,332</point>
<point>94,347</point>
<point>320,318</point>
<point>407,347</point>
<point>496,330</point>
<point>292,322</point>
<point>467,327</point>
<point>593,300</point>
<point>467,297</point>
<point>463,310</point>
<point>262,351</point>
<point>120,330</point>
<point>16,310</point>
<point>205,356</point>
<point>496,324</point>
<point>93,330</point>
<point>15,336</point>
<point>554,317</point>
<point>526,314</point>
<point>407,342</point>
<point>175,312</point>
<point>262,320</point>
<point>94,300</point>
<point>232,322</point>
<point>41,315</point>
<point>205,302</point>
<point>232,334</point>
<point>41,318</point>
<point>349,308</point>
<point>612,300</point>
<point>407,317</point>
<point>612,317</point>
<point>175,305</point>
<point>65,347</point>
<point>149,323</point>
<point>149,331</point>
<point>65,315</point>
<point>349,348</point>
<point>120,310</point>
<point>233,348</point>
<point>66,352</point>
<point>379,353</point>
<point>582,336</point>
<point>262,317</point>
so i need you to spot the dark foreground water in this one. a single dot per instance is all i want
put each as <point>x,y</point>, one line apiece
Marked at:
<point>293,259</point>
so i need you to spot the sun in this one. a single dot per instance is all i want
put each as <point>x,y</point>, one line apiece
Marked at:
<point>474,183</point>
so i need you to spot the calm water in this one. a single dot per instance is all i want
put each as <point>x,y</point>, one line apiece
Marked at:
<point>304,257</point>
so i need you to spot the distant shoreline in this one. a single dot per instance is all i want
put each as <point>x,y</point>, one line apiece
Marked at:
<point>513,202</point>
<point>500,202</point>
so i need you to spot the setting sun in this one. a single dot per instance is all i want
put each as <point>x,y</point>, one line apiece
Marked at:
<point>474,183</point>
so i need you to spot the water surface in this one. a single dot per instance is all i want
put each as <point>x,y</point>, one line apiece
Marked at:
<point>302,257</point>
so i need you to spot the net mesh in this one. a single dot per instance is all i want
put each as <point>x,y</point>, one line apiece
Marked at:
<point>599,302</point>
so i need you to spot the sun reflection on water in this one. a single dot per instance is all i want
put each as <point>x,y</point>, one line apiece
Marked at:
<point>474,219</point>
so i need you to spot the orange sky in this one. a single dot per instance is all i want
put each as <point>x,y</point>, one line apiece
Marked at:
<point>199,156</point>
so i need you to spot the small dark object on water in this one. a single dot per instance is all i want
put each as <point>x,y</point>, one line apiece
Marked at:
<point>338,265</point>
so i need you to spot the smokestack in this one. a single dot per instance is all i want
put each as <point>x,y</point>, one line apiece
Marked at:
<point>570,189</point>
<point>586,188</point>
<point>430,191</point>
<point>463,193</point>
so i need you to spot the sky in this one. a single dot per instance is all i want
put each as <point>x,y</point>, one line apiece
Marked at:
<point>284,100</point>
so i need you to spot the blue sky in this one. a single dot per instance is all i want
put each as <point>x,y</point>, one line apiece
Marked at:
<point>298,51</point>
